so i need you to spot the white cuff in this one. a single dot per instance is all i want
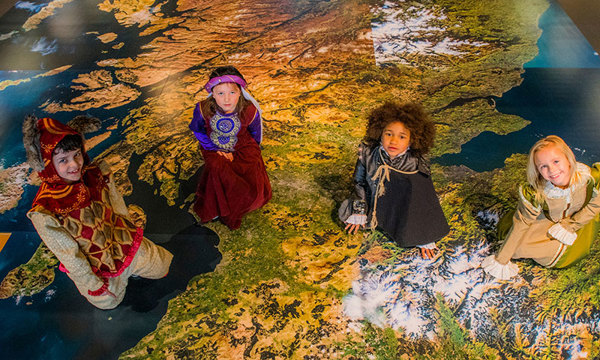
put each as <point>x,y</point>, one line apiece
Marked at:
<point>497,270</point>
<point>357,219</point>
<point>430,246</point>
<point>558,232</point>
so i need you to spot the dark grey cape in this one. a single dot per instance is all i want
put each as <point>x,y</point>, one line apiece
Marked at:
<point>409,211</point>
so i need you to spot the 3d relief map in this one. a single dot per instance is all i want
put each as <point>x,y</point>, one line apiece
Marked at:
<point>495,76</point>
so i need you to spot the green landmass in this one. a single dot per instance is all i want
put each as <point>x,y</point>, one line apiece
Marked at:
<point>32,277</point>
<point>277,292</point>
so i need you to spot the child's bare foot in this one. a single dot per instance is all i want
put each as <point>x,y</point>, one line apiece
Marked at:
<point>428,254</point>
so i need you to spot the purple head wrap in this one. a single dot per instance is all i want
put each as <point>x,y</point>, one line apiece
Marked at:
<point>224,79</point>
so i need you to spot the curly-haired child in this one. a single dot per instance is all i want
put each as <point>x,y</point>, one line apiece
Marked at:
<point>557,218</point>
<point>393,190</point>
<point>81,217</point>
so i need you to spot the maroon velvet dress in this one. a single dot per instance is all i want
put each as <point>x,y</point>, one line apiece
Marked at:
<point>230,189</point>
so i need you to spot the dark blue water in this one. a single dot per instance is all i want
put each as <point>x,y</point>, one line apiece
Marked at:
<point>59,323</point>
<point>559,95</point>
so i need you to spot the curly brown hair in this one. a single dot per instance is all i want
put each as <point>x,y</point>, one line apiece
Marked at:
<point>414,118</point>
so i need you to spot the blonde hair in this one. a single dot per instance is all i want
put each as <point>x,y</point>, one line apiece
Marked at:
<point>534,178</point>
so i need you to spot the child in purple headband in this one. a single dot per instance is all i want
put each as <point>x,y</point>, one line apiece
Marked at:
<point>228,125</point>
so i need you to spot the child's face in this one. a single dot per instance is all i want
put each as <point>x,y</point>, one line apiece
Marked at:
<point>68,164</point>
<point>395,138</point>
<point>553,165</point>
<point>226,95</point>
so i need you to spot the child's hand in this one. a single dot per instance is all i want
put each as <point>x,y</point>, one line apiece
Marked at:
<point>226,155</point>
<point>353,228</point>
<point>355,222</point>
